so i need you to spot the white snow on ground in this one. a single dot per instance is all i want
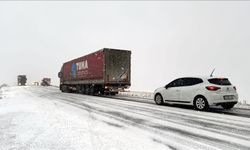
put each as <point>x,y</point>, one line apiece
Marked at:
<point>45,118</point>
<point>31,122</point>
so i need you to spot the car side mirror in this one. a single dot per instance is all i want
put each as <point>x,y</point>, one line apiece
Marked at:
<point>166,87</point>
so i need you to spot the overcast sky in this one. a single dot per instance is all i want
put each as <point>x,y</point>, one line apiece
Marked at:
<point>167,39</point>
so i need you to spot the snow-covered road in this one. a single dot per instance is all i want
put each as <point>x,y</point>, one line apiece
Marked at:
<point>45,118</point>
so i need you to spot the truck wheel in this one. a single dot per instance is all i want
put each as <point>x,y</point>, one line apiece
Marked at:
<point>101,91</point>
<point>78,89</point>
<point>83,89</point>
<point>200,103</point>
<point>92,90</point>
<point>158,99</point>
<point>87,90</point>
<point>65,88</point>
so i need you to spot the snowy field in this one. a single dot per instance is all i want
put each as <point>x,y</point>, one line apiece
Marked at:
<point>44,118</point>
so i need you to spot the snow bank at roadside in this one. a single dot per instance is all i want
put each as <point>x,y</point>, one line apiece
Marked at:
<point>149,96</point>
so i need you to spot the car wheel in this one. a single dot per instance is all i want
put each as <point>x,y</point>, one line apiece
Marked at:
<point>158,99</point>
<point>200,103</point>
<point>227,106</point>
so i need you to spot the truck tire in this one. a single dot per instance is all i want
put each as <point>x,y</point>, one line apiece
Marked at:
<point>83,89</point>
<point>86,90</point>
<point>92,90</point>
<point>78,89</point>
<point>65,88</point>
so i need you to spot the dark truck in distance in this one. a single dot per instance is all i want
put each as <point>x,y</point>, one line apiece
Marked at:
<point>106,71</point>
<point>21,80</point>
<point>46,82</point>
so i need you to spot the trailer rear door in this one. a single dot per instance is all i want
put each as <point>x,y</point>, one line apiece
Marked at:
<point>117,66</point>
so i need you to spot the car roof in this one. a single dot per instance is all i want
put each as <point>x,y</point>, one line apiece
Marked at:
<point>205,77</point>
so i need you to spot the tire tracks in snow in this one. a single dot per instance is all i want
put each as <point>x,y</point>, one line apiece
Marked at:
<point>102,106</point>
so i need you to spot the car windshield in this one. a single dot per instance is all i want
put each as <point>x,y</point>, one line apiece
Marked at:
<point>219,81</point>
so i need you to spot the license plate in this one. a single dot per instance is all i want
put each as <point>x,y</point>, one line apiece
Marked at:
<point>228,97</point>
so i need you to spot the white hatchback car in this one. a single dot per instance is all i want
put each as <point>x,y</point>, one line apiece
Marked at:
<point>201,92</point>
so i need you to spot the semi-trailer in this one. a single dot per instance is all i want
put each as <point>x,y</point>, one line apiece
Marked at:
<point>106,71</point>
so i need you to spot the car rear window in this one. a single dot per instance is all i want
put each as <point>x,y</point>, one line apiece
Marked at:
<point>219,81</point>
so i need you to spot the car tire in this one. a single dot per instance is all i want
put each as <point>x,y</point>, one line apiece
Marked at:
<point>158,99</point>
<point>200,103</point>
<point>227,106</point>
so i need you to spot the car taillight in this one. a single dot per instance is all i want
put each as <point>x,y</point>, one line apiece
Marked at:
<point>235,88</point>
<point>212,88</point>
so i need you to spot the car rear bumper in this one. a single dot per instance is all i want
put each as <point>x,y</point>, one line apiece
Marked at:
<point>218,99</point>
